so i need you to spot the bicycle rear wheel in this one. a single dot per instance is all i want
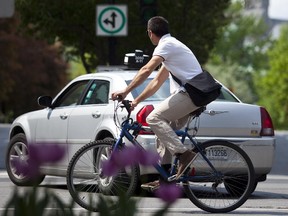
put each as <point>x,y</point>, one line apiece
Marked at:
<point>85,180</point>
<point>226,188</point>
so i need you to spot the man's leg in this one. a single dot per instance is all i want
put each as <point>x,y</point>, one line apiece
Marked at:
<point>176,107</point>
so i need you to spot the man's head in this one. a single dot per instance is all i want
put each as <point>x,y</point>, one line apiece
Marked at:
<point>157,27</point>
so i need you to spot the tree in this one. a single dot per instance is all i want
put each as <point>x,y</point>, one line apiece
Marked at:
<point>272,85</point>
<point>72,22</point>
<point>240,53</point>
<point>28,69</point>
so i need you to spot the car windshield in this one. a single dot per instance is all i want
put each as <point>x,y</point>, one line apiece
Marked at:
<point>164,92</point>
<point>160,95</point>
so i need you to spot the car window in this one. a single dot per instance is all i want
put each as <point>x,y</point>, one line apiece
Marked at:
<point>72,95</point>
<point>226,96</point>
<point>97,93</point>
<point>160,95</point>
<point>164,92</point>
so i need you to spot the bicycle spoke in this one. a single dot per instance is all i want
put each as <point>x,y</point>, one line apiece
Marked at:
<point>85,180</point>
<point>228,187</point>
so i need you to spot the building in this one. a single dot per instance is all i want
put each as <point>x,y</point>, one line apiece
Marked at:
<point>262,8</point>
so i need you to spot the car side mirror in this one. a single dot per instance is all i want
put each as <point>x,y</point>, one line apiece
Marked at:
<point>45,101</point>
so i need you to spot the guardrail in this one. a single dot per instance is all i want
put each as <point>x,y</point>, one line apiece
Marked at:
<point>4,134</point>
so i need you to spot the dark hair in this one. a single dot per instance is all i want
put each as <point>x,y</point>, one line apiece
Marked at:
<point>158,25</point>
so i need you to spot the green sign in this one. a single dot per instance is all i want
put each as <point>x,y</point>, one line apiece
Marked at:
<point>111,20</point>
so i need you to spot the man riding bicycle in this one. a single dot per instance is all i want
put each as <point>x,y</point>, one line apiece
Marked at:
<point>172,113</point>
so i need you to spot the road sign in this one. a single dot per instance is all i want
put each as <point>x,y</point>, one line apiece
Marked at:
<point>111,20</point>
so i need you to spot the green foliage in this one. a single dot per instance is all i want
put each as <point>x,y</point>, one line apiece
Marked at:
<point>240,52</point>
<point>243,40</point>
<point>35,201</point>
<point>272,85</point>
<point>197,23</point>
<point>32,202</point>
<point>235,79</point>
<point>76,69</point>
<point>123,205</point>
<point>72,22</point>
<point>29,68</point>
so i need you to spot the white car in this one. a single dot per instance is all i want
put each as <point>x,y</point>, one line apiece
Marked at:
<point>83,112</point>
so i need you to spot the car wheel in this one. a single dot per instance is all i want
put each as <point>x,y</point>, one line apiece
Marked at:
<point>17,149</point>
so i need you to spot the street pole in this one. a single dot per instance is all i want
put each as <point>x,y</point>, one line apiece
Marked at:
<point>112,46</point>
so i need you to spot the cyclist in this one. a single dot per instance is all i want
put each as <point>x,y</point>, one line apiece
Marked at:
<point>172,113</point>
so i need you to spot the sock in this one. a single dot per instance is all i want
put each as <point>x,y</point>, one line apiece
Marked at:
<point>167,168</point>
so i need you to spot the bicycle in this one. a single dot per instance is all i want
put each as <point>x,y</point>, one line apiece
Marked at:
<point>221,180</point>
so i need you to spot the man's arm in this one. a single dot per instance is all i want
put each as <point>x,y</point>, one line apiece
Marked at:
<point>142,75</point>
<point>153,86</point>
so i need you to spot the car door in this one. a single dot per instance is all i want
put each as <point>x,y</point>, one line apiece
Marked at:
<point>88,115</point>
<point>52,125</point>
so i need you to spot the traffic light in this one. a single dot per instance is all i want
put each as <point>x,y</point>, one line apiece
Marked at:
<point>148,9</point>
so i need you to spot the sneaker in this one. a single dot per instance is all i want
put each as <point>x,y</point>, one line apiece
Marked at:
<point>151,186</point>
<point>185,160</point>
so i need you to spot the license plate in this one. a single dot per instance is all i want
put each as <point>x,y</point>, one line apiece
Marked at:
<point>217,154</point>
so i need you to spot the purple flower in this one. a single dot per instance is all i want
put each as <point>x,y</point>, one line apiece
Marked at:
<point>129,156</point>
<point>118,161</point>
<point>109,168</point>
<point>46,153</point>
<point>125,157</point>
<point>21,166</point>
<point>38,154</point>
<point>148,157</point>
<point>169,193</point>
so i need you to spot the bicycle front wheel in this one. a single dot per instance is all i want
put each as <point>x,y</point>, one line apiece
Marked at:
<point>85,179</point>
<point>226,187</point>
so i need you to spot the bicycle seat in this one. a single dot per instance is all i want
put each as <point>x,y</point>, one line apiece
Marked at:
<point>198,111</point>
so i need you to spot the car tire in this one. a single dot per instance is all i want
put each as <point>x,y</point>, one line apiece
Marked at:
<point>17,148</point>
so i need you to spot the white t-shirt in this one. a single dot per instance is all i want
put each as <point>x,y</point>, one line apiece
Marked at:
<point>178,59</point>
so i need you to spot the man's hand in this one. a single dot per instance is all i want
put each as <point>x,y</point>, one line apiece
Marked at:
<point>133,105</point>
<point>119,95</point>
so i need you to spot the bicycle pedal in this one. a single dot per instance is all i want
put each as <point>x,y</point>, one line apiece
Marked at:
<point>171,178</point>
<point>150,190</point>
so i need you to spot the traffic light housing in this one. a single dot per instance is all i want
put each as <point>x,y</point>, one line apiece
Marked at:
<point>148,9</point>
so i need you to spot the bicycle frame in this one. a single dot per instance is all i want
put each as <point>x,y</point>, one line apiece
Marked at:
<point>223,181</point>
<point>128,124</point>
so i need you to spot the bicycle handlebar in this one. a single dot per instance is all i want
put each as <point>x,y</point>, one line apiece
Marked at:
<point>127,105</point>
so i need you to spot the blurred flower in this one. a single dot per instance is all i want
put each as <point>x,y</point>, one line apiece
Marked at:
<point>148,157</point>
<point>38,154</point>
<point>129,156</point>
<point>169,193</point>
<point>109,168</point>
<point>46,153</point>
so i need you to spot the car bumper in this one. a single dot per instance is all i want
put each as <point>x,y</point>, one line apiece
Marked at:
<point>261,150</point>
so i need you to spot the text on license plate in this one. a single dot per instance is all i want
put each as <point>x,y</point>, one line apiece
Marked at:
<point>217,153</point>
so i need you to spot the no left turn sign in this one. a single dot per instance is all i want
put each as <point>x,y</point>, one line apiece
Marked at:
<point>111,20</point>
